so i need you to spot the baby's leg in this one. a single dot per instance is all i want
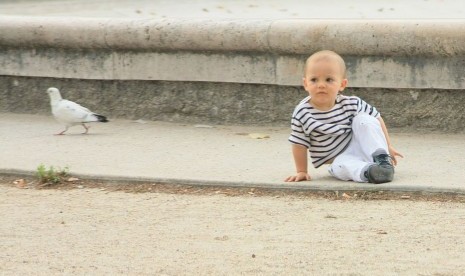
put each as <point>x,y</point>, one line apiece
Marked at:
<point>368,136</point>
<point>349,167</point>
<point>367,140</point>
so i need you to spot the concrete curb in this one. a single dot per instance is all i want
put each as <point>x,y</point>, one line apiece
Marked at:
<point>301,186</point>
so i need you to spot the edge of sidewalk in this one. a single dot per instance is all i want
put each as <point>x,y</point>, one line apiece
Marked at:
<point>301,186</point>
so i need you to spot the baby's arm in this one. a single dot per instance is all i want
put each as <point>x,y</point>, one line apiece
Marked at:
<point>300,154</point>
<point>392,151</point>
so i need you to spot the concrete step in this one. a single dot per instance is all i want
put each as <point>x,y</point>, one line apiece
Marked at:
<point>241,68</point>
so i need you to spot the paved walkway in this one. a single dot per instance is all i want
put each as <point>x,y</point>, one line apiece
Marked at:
<point>177,153</point>
<point>215,9</point>
<point>218,155</point>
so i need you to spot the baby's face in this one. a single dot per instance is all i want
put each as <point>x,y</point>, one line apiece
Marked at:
<point>324,79</point>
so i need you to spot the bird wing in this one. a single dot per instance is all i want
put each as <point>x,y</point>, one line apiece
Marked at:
<point>70,112</point>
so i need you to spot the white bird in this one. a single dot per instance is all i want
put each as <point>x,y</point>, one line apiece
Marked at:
<point>70,113</point>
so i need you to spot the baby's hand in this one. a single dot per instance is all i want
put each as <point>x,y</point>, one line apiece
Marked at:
<point>394,153</point>
<point>300,176</point>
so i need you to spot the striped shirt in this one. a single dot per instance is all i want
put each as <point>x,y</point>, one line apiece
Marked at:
<point>327,133</point>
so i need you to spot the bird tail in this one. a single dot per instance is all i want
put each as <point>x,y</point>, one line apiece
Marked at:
<point>101,118</point>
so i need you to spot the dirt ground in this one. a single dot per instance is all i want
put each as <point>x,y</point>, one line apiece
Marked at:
<point>102,228</point>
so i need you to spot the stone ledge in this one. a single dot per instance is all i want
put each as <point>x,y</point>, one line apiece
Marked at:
<point>301,37</point>
<point>412,54</point>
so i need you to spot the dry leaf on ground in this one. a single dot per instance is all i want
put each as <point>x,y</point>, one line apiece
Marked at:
<point>258,135</point>
<point>20,183</point>
<point>203,126</point>
<point>344,195</point>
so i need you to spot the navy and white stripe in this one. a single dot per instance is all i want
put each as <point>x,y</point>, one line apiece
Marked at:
<point>327,133</point>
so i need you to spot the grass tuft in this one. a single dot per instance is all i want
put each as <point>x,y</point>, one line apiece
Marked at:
<point>51,175</point>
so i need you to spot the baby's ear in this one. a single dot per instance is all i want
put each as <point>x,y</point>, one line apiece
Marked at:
<point>304,83</point>
<point>343,85</point>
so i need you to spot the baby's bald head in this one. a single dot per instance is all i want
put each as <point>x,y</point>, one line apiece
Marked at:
<point>328,56</point>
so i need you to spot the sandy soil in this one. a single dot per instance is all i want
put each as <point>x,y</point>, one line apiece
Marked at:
<point>85,229</point>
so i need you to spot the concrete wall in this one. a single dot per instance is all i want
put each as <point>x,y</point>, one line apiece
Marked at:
<point>233,71</point>
<point>226,103</point>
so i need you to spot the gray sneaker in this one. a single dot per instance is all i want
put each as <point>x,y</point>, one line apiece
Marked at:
<point>382,171</point>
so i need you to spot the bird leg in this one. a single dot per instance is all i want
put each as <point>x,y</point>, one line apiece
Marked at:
<point>63,132</point>
<point>86,127</point>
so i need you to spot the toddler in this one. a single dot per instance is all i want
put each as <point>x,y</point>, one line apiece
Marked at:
<point>343,131</point>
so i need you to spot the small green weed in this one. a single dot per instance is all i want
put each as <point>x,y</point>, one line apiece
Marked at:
<point>51,175</point>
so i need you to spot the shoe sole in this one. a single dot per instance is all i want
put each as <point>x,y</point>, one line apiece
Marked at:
<point>380,174</point>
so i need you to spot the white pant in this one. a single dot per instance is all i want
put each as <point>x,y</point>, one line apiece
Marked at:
<point>367,137</point>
